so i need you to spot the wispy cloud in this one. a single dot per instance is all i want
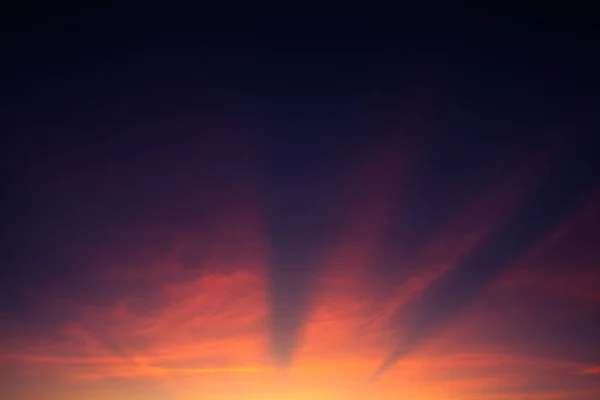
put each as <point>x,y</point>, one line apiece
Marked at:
<point>441,302</point>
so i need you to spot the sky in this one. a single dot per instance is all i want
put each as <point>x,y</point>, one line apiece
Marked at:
<point>324,209</point>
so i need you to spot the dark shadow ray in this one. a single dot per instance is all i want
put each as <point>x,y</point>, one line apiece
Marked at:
<point>445,298</point>
<point>302,191</point>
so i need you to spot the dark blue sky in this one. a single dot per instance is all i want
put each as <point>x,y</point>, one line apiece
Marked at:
<point>106,125</point>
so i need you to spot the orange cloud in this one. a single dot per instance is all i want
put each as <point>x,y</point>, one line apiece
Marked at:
<point>201,331</point>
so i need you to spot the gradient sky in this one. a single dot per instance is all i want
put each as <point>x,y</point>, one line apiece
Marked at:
<point>273,211</point>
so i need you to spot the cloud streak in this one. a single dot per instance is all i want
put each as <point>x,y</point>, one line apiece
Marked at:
<point>202,287</point>
<point>441,302</point>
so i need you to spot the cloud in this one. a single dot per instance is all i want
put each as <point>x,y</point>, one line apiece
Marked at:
<point>209,324</point>
<point>441,302</point>
<point>179,278</point>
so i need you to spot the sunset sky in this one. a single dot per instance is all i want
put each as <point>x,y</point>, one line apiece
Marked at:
<point>337,214</point>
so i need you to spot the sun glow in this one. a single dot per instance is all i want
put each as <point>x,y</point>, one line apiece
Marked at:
<point>191,319</point>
